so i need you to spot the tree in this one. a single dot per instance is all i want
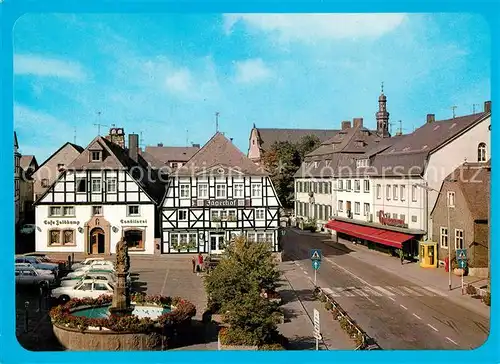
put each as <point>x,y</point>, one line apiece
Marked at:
<point>283,160</point>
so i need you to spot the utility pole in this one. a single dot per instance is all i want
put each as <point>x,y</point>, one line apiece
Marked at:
<point>217,122</point>
<point>453,110</point>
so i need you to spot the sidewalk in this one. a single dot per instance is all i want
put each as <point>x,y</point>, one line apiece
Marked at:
<point>434,277</point>
<point>299,304</point>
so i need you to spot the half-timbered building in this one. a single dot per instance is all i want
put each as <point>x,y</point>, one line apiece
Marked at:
<point>218,194</point>
<point>107,193</point>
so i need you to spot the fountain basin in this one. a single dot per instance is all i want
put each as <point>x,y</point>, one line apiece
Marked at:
<point>153,312</point>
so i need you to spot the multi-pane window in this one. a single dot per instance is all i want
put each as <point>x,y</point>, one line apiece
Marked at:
<point>395,192</point>
<point>402,194</point>
<point>81,185</point>
<point>111,185</point>
<point>366,184</point>
<point>220,191</point>
<point>202,190</point>
<point>95,156</point>
<point>357,208</point>
<point>366,209</point>
<point>356,185</point>
<point>96,210</point>
<point>62,211</point>
<point>388,192</point>
<point>348,185</point>
<point>443,237</point>
<point>481,152</point>
<point>459,239</point>
<point>341,205</point>
<point>256,190</point>
<point>231,215</point>
<point>238,190</point>
<point>96,185</point>
<point>69,237</point>
<point>320,189</point>
<point>54,237</point>
<point>259,214</point>
<point>414,218</point>
<point>133,210</point>
<point>182,215</point>
<point>379,192</point>
<point>394,216</point>
<point>402,217</point>
<point>340,186</point>
<point>414,193</point>
<point>184,190</point>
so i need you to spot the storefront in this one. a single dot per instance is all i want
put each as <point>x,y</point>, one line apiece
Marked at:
<point>380,237</point>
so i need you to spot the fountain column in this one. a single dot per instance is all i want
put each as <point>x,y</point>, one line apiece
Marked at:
<point>121,296</point>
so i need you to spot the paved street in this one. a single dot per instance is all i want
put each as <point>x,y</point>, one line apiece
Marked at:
<point>397,313</point>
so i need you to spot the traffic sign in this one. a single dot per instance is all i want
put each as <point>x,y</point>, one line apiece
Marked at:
<point>317,328</point>
<point>315,254</point>
<point>462,264</point>
<point>316,264</point>
<point>461,254</point>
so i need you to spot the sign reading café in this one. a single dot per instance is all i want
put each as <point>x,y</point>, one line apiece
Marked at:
<point>391,222</point>
<point>61,222</point>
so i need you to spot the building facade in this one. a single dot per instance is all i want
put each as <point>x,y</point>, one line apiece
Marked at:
<point>52,167</point>
<point>217,195</point>
<point>170,157</point>
<point>460,214</point>
<point>17,176</point>
<point>104,195</point>
<point>28,165</point>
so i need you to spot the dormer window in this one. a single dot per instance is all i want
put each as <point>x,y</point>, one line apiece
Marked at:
<point>95,156</point>
<point>327,162</point>
<point>315,164</point>
<point>60,167</point>
<point>406,149</point>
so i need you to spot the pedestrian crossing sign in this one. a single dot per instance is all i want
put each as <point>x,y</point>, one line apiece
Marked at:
<point>461,254</point>
<point>315,254</point>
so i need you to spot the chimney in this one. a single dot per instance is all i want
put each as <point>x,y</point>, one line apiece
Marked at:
<point>196,145</point>
<point>357,122</point>
<point>231,139</point>
<point>133,146</point>
<point>346,125</point>
<point>431,118</point>
<point>487,106</point>
<point>160,144</point>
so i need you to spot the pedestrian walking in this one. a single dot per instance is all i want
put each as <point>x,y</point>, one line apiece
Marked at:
<point>193,261</point>
<point>401,256</point>
<point>200,262</point>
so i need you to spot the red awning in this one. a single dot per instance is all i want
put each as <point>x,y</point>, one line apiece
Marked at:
<point>386,237</point>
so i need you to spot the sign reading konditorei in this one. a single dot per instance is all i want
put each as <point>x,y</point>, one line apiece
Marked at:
<point>61,222</point>
<point>133,221</point>
<point>391,222</point>
<point>221,203</point>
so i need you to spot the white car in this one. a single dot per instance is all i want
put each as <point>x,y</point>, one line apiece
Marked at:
<point>86,262</point>
<point>28,276</point>
<point>31,266</point>
<point>28,229</point>
<point>73,281</point>
<point>103,268</point>
<point>87,288</point>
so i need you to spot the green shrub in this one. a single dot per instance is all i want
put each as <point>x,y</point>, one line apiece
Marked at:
<point>487,299</point>
<point>471,290</point>
<point>328,306</point>
<point>271,347</point>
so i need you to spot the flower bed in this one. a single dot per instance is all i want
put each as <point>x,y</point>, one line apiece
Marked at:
<point>230,339</point>
<point>182,311</point>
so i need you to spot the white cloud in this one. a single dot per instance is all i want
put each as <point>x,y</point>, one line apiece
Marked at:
<point>309,28</point>
<point>46,125</point>
<point>252,71</point>
<point>179,81</point>
<point>34,65</point>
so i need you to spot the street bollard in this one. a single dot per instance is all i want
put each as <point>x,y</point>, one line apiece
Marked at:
<point>69,262</point>
<point>40,298</point>
<point>26,305</point>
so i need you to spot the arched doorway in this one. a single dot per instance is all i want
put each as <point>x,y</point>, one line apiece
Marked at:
<point>97,241</point>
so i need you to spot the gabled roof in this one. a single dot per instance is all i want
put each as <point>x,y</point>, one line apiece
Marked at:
<point>26,161</point>
<point>410,153</point>
<point>171,154</point>
<point>74,146</point>
<point>474,181</point>
<point>220,151</point>
<point>269,136</point>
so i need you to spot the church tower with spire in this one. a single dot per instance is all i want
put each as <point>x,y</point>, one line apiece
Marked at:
<point>382,116</point>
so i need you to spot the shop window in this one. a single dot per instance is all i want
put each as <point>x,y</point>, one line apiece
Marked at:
<point>134,239</point>
<point>69,237</point>
<point>54,237</point>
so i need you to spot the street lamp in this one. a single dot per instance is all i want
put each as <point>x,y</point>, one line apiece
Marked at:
<point>448,235</point>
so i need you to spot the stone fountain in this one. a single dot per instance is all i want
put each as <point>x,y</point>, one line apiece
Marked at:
<point>120,305</point>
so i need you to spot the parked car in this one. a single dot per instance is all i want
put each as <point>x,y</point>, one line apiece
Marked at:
<point>38,264</point>
<point>27,229</point>
<point>27,275</point>
<point>31,266</point>
<point>45,258</point>
<point>87,288</point>
<point>99,268</point>
<point>73,281</point>
<point>87,261</point>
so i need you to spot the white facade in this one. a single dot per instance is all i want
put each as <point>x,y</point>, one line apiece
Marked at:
<point>355,199</point>
<point>445,160</point>
<point>320,205</point>
<point>201,213</point>
<point>90,211</point>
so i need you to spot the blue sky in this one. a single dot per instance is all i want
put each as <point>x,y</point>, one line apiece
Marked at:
<point>166,75</point>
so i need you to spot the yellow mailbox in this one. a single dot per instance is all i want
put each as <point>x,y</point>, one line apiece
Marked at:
<point>428,254</point>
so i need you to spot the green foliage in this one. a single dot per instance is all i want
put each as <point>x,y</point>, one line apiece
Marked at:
<point>487,299</point>
<point>471,290</point>
<point>235,288</point>
<point>283,160</point>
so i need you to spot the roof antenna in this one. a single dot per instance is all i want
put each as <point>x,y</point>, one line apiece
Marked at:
<point>141,139</point>
<point>453,109</point>
<point>98,124</point>
<point>217,122</point>
<point>400,127</point>
<point>74,137</point>
<point>474,108</point>
<point>187,138</point>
